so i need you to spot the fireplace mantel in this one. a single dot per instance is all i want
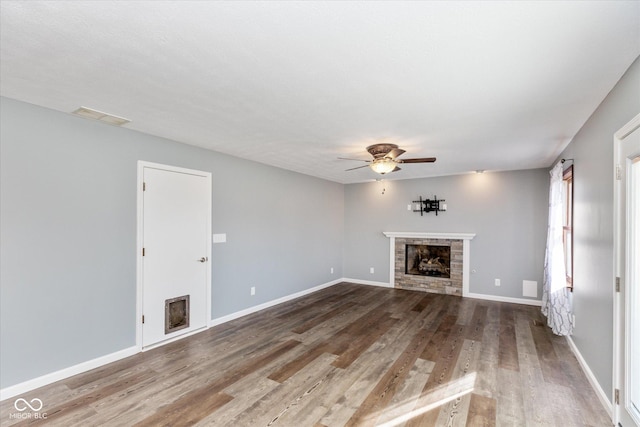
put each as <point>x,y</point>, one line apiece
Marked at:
<point>466,246</point>
<point>423,235</point>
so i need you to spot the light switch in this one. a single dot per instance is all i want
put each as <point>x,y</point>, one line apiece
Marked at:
<point>219,238</point>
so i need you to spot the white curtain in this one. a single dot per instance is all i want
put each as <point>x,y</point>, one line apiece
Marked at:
<point>556,298</point>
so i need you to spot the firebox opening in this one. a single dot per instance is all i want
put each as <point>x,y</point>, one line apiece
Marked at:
<point>176,314</point>
<point>428,260</point>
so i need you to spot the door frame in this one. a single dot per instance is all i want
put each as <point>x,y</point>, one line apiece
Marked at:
<point>139,242</point>
<point>618,337</point>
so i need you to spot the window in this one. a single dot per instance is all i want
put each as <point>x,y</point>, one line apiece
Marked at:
<point>567,224</point>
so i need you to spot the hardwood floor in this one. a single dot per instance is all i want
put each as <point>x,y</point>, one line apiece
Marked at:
<point>349,355</point>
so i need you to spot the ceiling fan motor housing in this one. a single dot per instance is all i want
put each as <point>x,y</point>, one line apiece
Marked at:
<point>380,150</point>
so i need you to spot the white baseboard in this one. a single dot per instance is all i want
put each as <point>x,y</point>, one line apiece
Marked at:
<point>177,338</point>
<point>15,390</point>
<point>524,301</point>
<point>368,282</point>
<point>256,308</point>
<point>469,295</point>
<point>608,406</point>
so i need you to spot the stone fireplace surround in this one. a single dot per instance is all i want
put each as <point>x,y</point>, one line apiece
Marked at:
<point>457,284</point>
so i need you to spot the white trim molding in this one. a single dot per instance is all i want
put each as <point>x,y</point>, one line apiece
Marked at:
<point>602,396</point>
<point>32,384</point>
<point>524,301</point>
<point>428,235</point>
<point>626,130</point>
<point>620,302</point>
<point>466,249</point>
<point>259,307</point>
<point>368,282</point>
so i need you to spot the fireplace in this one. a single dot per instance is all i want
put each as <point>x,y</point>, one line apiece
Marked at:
<point>176,314</point>
<point>428,260</point>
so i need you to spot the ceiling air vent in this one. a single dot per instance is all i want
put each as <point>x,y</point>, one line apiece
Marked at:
<point>99,115</point>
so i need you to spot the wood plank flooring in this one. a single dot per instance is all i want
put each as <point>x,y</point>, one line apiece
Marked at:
<point>349,355</point>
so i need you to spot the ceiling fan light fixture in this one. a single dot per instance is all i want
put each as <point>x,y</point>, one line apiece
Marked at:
<point>383,165</point>
<point>385,159</point>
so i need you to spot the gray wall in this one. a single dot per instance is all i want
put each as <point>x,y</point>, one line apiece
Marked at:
<point>592,149</point>
<point>68,226</point>
<point>506,210</point>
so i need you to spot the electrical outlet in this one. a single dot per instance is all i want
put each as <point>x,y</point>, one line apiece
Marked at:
<point>331,270</point>
<point>497,282</point>
<point>408,207</point>
<point>253,290</point>
<point>371,270</point>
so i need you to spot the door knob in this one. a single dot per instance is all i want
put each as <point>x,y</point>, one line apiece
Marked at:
<point>203,259</point>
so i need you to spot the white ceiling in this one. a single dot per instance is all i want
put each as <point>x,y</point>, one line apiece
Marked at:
<point>480,85</point>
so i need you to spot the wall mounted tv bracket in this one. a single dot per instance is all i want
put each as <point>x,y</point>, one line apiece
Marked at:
<point>429,205</point>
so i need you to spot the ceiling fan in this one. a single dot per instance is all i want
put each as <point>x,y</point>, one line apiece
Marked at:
<point>385,158</point>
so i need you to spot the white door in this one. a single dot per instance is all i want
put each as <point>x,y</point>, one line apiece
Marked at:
<point>176,212</point>
<point>627,264</point>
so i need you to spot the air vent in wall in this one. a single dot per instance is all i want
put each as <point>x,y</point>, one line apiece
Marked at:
<point>99,115</point>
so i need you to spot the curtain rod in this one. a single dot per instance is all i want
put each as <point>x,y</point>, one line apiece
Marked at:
<point>562,161</point>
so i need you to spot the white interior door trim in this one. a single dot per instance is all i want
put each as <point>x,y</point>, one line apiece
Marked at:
<point>618,338</point>
<point>139,242</point>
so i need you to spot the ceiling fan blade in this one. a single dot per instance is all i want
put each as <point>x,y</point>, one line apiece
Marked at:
<point>396,169</point>
<point>359,167</point>
<point>349,158</point>
<point>418,160</point>
<point>395,153</point>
